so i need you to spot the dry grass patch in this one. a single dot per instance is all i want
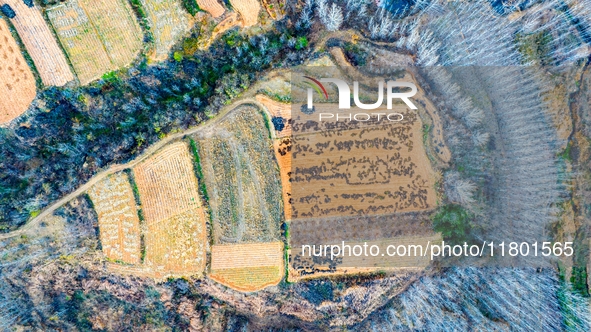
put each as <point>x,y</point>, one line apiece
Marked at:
<point>98,36</point>
<point>247,267</point>
<point>119,224</point>
<point>248,10</point>
<point>168,23</point>
<point>212,7</point>
<point>40,44</point>
<point>17,84</point>
<point>175,220</point>
<point>242,178</point>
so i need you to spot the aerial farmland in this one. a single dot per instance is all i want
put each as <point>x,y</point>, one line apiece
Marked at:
<point>98,36</point>
<point>40,43</point>
<point>232,165</point>
<point>168,23</point>
<point>213,7</point>
<point>242,194</point>
<point>119,223</point>
<point>248,10</point>
<point>17,83</point>
<point>174,216</point>
<point>247,267</point>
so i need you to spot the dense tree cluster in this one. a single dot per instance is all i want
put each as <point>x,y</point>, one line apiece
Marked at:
<point>71,133</point>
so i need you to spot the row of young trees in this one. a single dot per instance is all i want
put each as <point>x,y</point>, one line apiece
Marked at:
<point>512,180</point>
<point>484,299</point>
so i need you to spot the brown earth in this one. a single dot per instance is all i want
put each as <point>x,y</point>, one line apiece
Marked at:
<point>248,10</point>
<point>17,84</point>
<point>212,7</point>
<point>40,44</point>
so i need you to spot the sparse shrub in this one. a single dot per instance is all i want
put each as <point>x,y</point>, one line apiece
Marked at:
<point>454,223</point>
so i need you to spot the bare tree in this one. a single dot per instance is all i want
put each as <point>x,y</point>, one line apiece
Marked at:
<point>331,17</point>
<point>459,190</point>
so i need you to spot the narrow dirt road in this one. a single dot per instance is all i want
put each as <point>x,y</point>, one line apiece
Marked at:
<point>204,127</point>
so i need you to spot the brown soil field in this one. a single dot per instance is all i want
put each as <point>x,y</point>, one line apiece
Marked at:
<point>17,84</point>
<point>212,7</point>
<point>98,36</point>
<point>278,109</point>
<point>168,22</point>
<point>119,223</point>
<point>388,60</point>
<point>175,220</point>
<point>40,44</point>
<point>369,169</point>
<point>248,10</point>
<point>247,267</point>
<point>305,267</point>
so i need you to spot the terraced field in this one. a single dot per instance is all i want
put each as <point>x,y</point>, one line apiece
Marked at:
<point>17,84</point>
<point>98,36</point>
<point>119,223</point>
<point>40,43</point>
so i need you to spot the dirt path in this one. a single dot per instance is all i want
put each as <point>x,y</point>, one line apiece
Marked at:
<point>204,127</point>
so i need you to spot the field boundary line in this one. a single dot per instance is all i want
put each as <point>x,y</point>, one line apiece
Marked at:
<point>225,112</point>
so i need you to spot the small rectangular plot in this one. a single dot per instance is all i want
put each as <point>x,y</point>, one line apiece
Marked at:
<point>115,205</point>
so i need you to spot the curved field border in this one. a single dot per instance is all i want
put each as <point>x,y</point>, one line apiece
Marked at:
<point>208,125</point>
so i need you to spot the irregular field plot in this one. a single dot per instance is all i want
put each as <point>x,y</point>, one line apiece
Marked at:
<point>175,220</point>
<point>212,7</point>
<point>80,40</point>
<point>279,110</point>
<point>247,267</point>
<point>248,10</point>
<point>17,84</point>
<point>40,44</point>
<point>369,170</point>
<point>242,179</point>
<point>99,36</point>
<point>119,224</point>
<point>116,26</point>
<point>168,23</point>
